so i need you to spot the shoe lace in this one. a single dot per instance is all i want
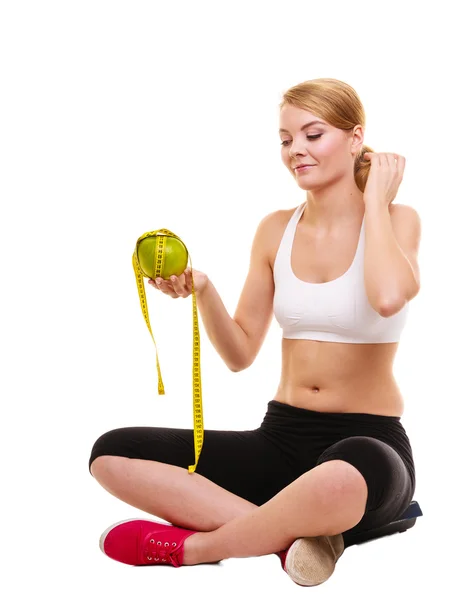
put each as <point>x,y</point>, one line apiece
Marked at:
<point>159,551</point>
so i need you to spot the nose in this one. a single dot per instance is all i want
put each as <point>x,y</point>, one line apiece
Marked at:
<point>295,149</point>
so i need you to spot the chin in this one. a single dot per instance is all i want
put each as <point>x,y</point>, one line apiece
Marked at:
<point>303,185</point>
<point>308,188</point>
<point>303,182</point>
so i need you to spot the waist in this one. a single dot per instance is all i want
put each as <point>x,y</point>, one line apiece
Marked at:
<point>332,377</point>
<point>296,428</point>
<point>279,411</point>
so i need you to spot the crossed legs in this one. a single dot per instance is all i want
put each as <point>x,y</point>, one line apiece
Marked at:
<point>329,499</point>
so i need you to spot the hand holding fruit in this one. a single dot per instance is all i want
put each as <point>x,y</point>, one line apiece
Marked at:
<point>181,286</point>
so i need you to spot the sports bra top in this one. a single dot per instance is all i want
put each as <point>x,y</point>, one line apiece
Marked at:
<point>334,311</point>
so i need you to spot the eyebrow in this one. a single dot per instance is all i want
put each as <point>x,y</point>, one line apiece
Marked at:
<point>304,126</point>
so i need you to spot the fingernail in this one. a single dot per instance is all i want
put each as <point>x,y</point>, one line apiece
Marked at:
<point>173,278</point>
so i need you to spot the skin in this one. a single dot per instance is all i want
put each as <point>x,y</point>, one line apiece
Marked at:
<point>317,375</point>
<point>330,498</point>
<point>326,376</point>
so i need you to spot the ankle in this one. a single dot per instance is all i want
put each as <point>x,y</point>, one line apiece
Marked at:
<point>192,549</point>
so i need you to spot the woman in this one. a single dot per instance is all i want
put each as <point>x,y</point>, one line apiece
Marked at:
<point>331,455</point>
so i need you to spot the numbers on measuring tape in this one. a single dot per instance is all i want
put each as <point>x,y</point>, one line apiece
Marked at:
<point>159,258</point>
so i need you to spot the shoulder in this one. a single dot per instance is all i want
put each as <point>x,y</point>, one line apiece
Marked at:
<point>270,231</point>
<point>274,221</point>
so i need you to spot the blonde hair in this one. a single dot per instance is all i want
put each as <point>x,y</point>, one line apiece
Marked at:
<point>338,104</point>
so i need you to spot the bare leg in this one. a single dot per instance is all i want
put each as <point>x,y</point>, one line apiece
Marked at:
<point>171,493</point>
<point>327,500</point>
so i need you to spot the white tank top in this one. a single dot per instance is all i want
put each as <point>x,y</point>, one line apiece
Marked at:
<point>334,311</point>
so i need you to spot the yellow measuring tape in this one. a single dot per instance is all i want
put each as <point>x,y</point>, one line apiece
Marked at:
<point>162,256</point>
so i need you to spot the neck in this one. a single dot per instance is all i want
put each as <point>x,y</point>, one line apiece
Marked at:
<point>331,209</point>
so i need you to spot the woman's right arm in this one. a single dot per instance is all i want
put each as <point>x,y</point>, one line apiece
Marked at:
<point>228,338</point>
<point>237,340</point>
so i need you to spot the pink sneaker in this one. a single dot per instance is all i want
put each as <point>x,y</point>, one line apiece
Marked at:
<point>282,556</point>
<point>142,542</point>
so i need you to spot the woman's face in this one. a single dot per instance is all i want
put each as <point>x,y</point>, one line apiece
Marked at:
<point>327,148</point>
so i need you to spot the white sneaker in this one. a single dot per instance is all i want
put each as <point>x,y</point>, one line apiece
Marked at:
<point>311,561</point>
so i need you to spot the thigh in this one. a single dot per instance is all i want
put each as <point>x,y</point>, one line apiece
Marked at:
<point>242,462</point>
<point>390,488</point>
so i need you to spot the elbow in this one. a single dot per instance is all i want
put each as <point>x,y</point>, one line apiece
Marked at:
<point>236,368</point>
<point>389,308</point>
<point>244,359</point>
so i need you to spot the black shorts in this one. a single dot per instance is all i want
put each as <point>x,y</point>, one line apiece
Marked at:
<point>256,464</point>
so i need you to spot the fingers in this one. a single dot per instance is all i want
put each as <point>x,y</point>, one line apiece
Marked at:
<point>176,287</point>
<point>165,286</point>
<point>188,278</point>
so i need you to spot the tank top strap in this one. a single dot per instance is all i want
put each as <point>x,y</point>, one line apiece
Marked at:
<point>281,265</point>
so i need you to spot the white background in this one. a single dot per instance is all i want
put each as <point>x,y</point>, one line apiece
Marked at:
<point>118,118</point>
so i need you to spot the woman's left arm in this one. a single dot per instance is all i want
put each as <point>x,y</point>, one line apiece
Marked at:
<point>391,270</point>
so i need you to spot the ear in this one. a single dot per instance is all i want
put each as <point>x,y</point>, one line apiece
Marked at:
<point>357,139</point>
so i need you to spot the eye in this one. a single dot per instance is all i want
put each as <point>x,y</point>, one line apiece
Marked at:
<point>309,137</point>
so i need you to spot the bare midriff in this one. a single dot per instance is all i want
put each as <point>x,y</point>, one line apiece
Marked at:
<point>338,377</point>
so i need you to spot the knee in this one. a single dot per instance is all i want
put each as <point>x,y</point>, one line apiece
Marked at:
<point>104,466</point>
<point>378,464</point>
<point>340,496</point>
<point>105,452</point>
<point>342,483</point>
